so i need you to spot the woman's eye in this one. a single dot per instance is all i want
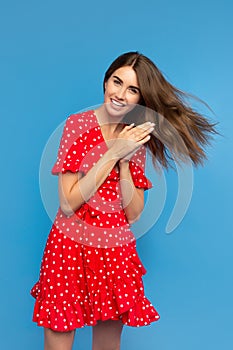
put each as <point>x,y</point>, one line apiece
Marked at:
<point>116,82</point>
<point>134,91</point>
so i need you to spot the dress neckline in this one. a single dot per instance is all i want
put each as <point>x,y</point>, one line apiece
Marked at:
<point>99,126</point>
<point>115,169</point>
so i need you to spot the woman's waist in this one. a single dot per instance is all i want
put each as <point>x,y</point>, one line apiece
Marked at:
<point>95,228</point>
<point>100,215</point>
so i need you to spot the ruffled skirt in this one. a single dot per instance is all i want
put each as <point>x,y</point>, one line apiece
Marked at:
<point>80,285</point>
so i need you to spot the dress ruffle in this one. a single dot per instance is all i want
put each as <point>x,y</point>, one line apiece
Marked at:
<point>98,292</point>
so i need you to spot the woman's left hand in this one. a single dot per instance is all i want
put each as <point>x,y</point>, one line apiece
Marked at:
<point>138,130</point>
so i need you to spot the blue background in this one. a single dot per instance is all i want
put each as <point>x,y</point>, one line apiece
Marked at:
<point>53,58</point>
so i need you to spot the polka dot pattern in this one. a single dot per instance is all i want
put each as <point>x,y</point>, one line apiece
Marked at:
<point>90,268</point>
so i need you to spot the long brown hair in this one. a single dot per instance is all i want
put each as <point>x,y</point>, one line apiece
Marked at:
<point>180,131</point>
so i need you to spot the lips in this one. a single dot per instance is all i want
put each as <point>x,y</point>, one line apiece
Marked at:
<point>117,103</point>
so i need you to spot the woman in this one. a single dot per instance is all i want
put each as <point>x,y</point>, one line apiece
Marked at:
<point>91,273</point>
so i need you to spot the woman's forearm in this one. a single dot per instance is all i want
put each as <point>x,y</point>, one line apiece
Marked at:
<point>74,190</point>
<point>74,193</point>
<point>132,197</point>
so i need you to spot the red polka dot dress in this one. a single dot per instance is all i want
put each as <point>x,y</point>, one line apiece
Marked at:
<point>90,269</point>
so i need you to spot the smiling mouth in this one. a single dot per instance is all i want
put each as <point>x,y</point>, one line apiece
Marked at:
<point>117,103</point>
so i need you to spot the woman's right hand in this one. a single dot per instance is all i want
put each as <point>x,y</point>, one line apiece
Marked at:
<point>131,138</point>
<point>76,188</point>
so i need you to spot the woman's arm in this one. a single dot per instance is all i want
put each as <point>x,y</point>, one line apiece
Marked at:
<point>76,189</point>
<point>132,197</point>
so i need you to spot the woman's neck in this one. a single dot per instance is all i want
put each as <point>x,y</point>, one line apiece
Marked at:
<point>106,121</point>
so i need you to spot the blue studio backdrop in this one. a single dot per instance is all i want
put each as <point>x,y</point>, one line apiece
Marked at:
<point>53,58</point>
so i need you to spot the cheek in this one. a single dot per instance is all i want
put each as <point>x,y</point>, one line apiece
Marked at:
<point>106,92</point>
<point>135,99</point>
<point>109,88</point>
<point>106,86</point>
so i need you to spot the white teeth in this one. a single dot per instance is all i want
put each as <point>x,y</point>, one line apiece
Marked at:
<point>117,103</point>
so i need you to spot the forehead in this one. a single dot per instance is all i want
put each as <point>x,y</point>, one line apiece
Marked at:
<point>127,75</point>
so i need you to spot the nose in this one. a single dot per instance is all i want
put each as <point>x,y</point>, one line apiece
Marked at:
<point>120,93</point>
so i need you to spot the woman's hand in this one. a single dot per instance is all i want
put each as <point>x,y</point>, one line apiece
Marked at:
<point>76,189</point>
<point>130,139</point>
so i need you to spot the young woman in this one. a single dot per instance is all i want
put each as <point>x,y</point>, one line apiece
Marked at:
<point>91,273</point>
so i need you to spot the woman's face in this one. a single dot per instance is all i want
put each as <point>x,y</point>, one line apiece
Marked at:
<point>122,91</point>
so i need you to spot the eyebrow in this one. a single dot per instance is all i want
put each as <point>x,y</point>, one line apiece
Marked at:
<point>131,86</point>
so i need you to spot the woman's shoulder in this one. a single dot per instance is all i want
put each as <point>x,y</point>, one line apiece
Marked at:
<point>78,124</point>
<point>81,118</point>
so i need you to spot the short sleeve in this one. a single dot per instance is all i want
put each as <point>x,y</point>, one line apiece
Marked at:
<point>137,169</point>
<point>70,149</point>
